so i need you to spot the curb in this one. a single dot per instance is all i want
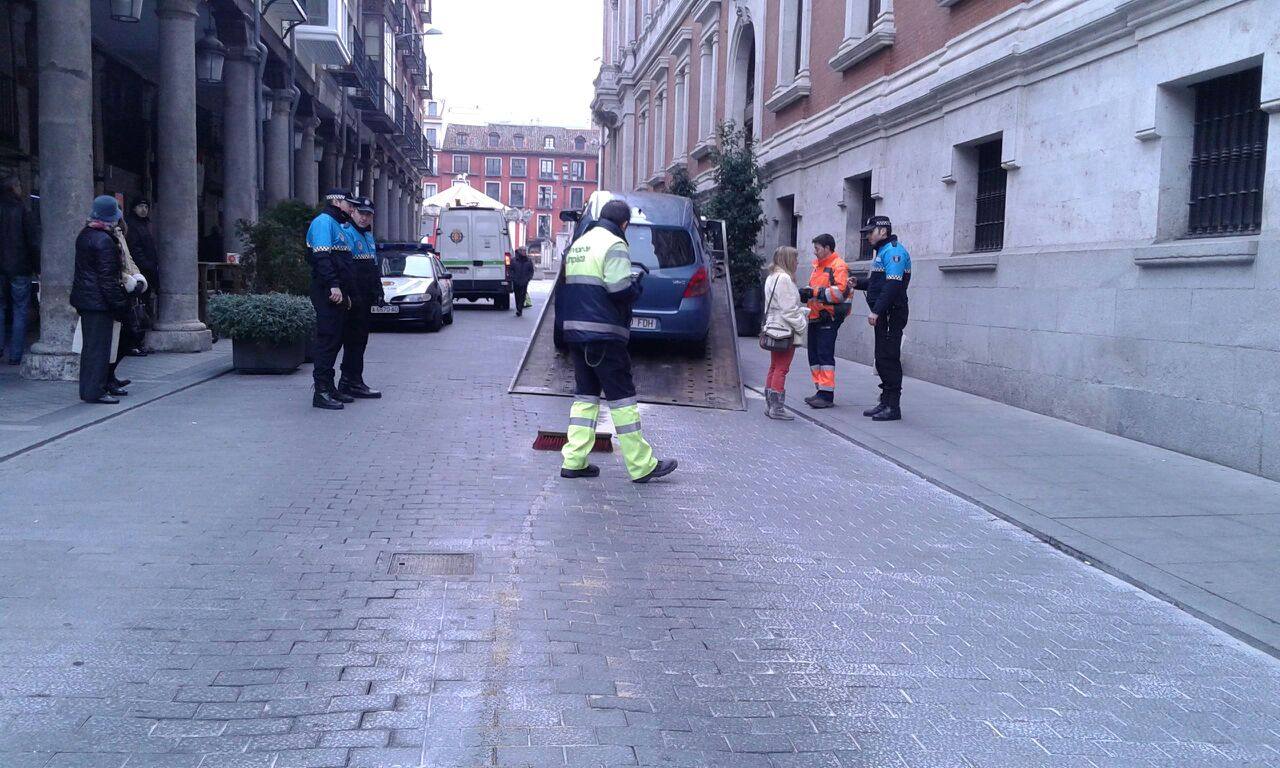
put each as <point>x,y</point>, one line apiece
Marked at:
<point>1208,607</point>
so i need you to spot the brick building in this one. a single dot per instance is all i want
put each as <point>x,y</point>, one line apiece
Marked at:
<point>537,168</point>
<point>1084,185</point>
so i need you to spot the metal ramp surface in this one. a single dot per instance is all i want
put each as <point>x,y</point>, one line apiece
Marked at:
<point>662,376</point>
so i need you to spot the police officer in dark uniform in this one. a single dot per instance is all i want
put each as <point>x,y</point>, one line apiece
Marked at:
<point>367,292</point>
<point>886,287</point>
<point>332,285</point>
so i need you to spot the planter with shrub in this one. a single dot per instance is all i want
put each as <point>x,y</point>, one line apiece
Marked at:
<point>268,332</point>
<point>736,198</point>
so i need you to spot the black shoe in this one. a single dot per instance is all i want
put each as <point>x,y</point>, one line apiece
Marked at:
<point>138,352</point>
<point>811,399</point>
<point>663,469</point>
<point>115,391</point>
<point>322,399</point>
<point>591,470</point>
<point>879,407</point>
<point>890,413</point>
<point>105,400</point>
<point>820,402</point>
<point>121,383</point>
<point>358,389</point>
<point>340,396</point>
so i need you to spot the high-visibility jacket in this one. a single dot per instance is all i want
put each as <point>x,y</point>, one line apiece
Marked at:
<point>830,283</point>
<point>598,287</point>
<point>329,252</point>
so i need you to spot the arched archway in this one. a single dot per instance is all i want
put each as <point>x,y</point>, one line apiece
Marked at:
<point>740,106</point>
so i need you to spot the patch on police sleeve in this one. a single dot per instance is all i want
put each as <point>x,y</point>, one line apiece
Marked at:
<point>896,258</point>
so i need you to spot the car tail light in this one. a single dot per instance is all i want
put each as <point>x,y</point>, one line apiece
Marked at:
<point>698,285</point>
<point>506,258</point>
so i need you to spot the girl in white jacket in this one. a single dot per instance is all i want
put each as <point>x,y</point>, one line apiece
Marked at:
<point>784,316</point>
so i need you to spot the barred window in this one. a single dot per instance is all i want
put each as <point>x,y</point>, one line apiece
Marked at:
<point>988,234</point>
<point>1228,155</point>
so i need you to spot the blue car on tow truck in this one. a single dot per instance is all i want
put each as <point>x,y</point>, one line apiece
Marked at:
<point>665,242</point>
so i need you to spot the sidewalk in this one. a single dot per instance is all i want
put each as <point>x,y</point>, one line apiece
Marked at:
<point>1200,535</point>
<point>34,412</point>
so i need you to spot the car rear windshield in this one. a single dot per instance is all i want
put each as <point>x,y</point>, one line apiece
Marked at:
<point>406,265</point>
<point>660,247</point>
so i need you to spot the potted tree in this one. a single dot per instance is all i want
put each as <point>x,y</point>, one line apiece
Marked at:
<point>275,251</point>
<point>736,198</point>
<point>268,331</point>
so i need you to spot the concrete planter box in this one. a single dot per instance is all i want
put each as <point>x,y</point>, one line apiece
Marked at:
<point>267,357</point>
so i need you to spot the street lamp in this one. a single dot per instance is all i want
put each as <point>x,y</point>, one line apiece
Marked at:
<point>129,11</point>
<point>211,54</point>
<point>428,32</point>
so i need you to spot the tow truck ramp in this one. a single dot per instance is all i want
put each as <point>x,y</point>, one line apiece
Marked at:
<point>663,375</point>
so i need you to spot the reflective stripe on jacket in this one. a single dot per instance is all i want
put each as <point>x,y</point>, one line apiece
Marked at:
<point>598,287</point>
<point>830,283</point>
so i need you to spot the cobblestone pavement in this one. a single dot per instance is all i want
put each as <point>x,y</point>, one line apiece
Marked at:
<point>207,582</point>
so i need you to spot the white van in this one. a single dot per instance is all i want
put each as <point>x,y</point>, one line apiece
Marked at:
<point>475,246</point>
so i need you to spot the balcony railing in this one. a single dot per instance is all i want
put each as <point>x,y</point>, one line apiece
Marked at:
<point>8,110</point>
<point>363,78</point>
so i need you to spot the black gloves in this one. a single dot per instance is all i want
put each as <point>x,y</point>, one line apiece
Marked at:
<point>806,294</point>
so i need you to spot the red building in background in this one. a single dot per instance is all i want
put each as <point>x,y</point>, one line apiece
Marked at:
<point>538,168</point>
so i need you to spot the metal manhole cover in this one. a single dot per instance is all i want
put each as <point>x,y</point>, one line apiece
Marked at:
<point>433,563</point>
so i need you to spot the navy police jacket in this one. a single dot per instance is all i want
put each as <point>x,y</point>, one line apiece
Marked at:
<point>366,265</point>
<point>329,252</point>
<point>886,284</point>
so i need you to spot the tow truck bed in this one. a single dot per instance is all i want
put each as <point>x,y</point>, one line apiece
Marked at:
<point>662,376</point>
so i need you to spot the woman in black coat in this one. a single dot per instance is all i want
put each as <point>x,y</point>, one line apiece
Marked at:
<point>98,295</point>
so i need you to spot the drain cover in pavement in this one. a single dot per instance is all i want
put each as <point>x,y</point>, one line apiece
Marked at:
<point>433,563</point>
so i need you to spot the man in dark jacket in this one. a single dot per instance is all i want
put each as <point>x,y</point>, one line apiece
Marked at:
<point>142,247</point>
<point>98,295</point>
<point>332,286</point>
<point>367,291</point>
<point>19,260</point>
<point>521,276</point>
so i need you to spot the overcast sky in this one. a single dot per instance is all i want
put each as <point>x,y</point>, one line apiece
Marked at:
<point>517,61</point>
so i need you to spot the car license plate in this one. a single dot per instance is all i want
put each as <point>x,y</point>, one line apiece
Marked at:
<point>390,309</point>
<point>644,323</point>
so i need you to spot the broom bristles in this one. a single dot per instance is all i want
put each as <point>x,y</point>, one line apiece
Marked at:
<point>554,441</point>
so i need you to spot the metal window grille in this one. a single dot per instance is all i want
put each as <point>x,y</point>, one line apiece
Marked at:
<point>1228,155</point>
<point>988,233</point>
<point>868,210</point>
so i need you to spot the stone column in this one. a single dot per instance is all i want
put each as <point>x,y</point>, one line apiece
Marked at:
<point>65,64</point>
<point>406,205</point>
<point>348,170</point>
<point>366,176</point>
<point>381,212</point>
<point>329,165</point>
<point>278,147</point>
<point>240,132</point>
<point>178,328</point>
<point>306,176</point>
<point>393,203</point>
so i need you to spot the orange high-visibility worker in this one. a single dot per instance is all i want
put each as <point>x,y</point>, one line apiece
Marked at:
<point>826,295</point>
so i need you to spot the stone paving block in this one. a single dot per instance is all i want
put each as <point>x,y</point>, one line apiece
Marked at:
<point>311,758</point>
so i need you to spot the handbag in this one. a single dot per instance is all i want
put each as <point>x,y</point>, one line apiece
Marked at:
<point>769,341</point>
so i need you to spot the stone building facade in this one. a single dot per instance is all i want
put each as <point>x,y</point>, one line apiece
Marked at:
<point>1090,189</point>
<point>310,95</point>
<point>539,168</point>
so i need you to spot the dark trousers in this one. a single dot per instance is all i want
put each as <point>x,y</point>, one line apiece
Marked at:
<point>602,366</point>
<point>95,354</point>
<point>889,354</point>
<point>355,338</point>
<point>521,291</point>
<point>330,320</point>
<point>822,355</point>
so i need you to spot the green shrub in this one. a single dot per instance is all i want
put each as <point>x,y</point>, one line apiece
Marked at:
<point>270,317</point>
<point>275,257</point>
<point>682,185</point>
<point>735,198</point>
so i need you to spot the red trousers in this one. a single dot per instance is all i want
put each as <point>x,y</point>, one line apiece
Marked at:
<point>779,364</point>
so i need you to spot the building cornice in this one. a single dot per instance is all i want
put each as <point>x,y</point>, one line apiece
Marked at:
<point>1023,45</point>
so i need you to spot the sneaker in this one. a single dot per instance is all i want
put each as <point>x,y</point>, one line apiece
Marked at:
<point>591,470</point>
<point>663,469</point>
